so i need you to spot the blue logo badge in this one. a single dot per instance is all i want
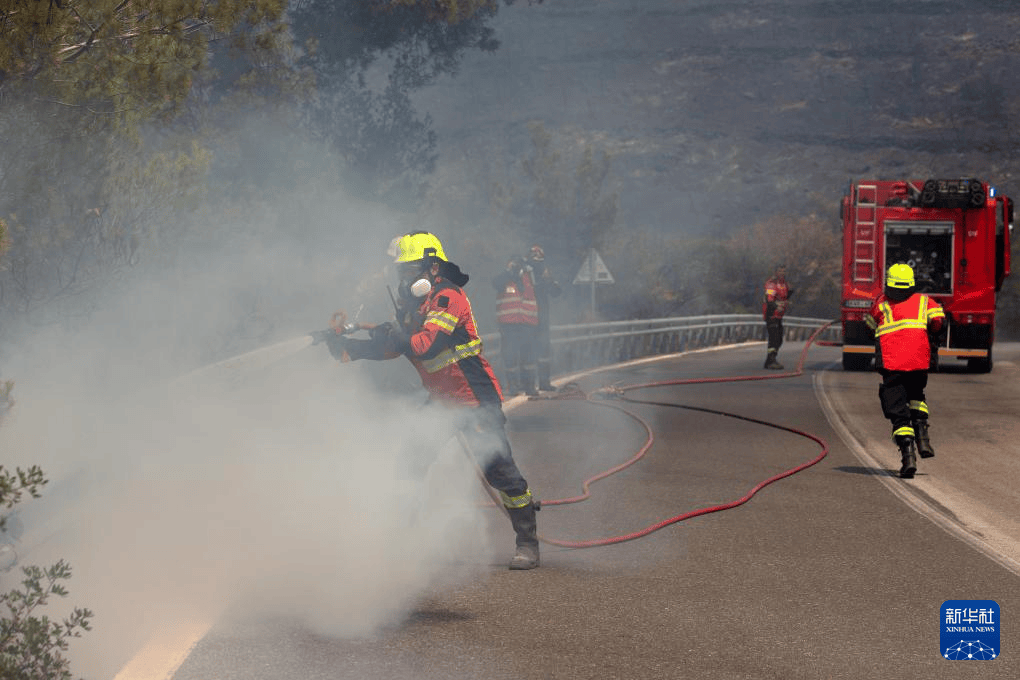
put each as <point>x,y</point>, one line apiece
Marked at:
<point>970,630</point>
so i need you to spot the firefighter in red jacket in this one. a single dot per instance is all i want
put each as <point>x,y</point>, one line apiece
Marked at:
<point>777,298</point>
<point>902,320</point>
<point>517,314</point>
<point>436,332</point>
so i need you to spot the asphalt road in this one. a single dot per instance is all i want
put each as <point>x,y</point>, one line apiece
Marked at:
<point>828,573</point>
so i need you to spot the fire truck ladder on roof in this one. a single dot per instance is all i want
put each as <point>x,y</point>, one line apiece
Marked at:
<point>865,211</point>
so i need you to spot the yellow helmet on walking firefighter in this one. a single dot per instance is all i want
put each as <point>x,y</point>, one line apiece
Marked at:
<point>416,246</point>
<point>900,276</point>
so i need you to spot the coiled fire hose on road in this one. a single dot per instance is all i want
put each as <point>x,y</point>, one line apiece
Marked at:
<point>619,393</point>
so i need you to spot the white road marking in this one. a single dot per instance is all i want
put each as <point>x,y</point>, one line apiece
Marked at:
<point>966,525</point>
<point>160,658</point>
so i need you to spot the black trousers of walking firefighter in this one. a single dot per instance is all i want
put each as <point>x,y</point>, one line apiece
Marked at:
<point>774,329</point>
<point>903,404</point>
<point>484,433</point>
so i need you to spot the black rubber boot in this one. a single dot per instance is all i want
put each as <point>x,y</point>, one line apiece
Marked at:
<point>526,527</point>
<point>909,458</point>
<point>528,382</point>
<point>771,361</point>
<point>924,448</point>
<point>544,377</point>
<point>511,386</point>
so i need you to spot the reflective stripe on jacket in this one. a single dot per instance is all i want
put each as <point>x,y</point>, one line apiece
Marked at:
<point>901,329</point>
<point>516,302</point>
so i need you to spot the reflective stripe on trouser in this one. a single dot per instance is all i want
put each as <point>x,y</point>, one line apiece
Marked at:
<point>918,410</point>
<point>516,501</point>
<point>896,393</point>
<point>907,431</point>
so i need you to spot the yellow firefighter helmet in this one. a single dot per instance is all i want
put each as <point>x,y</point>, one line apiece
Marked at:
<point>900,276</point>
<point>415,246</point>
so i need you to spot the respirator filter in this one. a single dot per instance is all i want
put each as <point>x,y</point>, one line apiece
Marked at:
<point>421,288</point>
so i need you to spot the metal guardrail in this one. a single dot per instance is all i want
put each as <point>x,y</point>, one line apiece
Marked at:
<point>579,346</point>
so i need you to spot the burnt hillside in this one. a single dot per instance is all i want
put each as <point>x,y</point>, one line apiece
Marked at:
<point>721,113</point>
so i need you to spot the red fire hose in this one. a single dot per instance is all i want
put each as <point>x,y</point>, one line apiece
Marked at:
<point>620,392</point>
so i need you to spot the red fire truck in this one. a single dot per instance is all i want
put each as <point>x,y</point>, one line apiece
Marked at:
<point>953,232</point>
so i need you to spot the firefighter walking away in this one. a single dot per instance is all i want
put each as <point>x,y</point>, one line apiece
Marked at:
<point>436,331</point>
<point>903,321</point>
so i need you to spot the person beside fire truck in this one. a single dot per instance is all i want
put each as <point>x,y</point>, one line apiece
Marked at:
<point>903,320</point>
<point>777,299</point>
<point>517,314</point>
<point>436,331</point>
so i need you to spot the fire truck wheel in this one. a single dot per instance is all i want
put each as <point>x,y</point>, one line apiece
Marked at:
<point>856,362</point>
<point>980,365</point>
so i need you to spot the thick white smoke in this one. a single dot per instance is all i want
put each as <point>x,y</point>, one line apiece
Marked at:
<point>274,485</point>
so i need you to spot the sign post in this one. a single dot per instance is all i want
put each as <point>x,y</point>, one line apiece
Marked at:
<point>593,270</point>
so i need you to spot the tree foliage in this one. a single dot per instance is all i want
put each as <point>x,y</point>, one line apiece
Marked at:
<point>78,203</point>
<point>136,59</point>
<point>557,195</point>
<point>369,57</point>
<point>32,645</point>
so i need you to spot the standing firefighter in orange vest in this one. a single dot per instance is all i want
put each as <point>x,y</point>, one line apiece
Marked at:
<point>517,314</point>
<point>436,332</point>
<point>902,320</point>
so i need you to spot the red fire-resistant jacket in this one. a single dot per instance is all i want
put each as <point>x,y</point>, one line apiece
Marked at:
<point>778,293</point>
<point>447,350</point>
<point>901,329</point>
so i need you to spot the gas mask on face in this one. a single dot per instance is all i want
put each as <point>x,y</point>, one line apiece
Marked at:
<point>414,284</point>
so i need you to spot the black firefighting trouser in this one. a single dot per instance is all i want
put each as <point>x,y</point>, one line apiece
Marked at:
<point>484,432</point>
<point>774,327</point>
<point>902,396</point>
<point>517,349</point>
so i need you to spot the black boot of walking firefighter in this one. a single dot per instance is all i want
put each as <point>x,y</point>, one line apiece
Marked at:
<point>771,360</point>
<point>909,456</point>
<point>924,448</point>
<point>526,528</point>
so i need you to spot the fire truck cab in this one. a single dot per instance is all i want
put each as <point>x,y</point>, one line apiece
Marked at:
<point>954,233</point>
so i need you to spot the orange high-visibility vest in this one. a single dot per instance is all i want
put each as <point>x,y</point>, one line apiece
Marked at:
<point>516,303</point>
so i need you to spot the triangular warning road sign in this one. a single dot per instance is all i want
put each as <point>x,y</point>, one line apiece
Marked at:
<point>593,261</point>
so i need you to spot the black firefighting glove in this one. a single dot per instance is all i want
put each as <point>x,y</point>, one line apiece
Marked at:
<point>381,331</point>
<point>393,337</point>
